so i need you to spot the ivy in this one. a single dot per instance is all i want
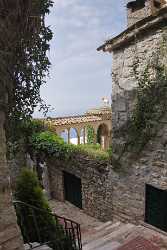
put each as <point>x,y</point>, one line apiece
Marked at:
<point>90,135</point>
<point>151,101</point>
<point>48,144</point>
<point>51,145</point>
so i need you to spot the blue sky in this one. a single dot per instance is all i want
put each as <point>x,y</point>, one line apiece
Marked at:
<point>80,76</point>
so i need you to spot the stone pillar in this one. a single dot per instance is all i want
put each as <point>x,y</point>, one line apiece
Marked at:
<point>84,134</point>
<point>10,236</point>
<point>68,134</point>
<point>79,139</point>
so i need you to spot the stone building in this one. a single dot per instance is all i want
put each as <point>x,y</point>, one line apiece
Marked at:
<point>10,237</point>
<point>139,40</point>
<point>139,184</point>
<point>138,10</point>
<point>99,119</point>
<point>83,181</point>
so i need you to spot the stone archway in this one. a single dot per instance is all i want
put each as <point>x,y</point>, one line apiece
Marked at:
<point>74,136</point>
<point>103,136</point>
<point>65,135</point>
<point>83,135</point>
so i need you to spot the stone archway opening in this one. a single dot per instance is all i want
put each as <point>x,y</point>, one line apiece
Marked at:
<point>64,135</point>
<point>83,136</point>
<point>103,136</point>
<point>74,136</point>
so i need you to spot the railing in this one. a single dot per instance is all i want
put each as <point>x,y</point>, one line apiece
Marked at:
<point>46,228</point>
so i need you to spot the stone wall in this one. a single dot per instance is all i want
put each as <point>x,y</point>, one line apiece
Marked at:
<point>128,196</point>
<point>135,15</point>
<point>124,81</point>
<point>10,237</point>
<point>138,10</point>
<point>115,194</point>
<point>96,190</point>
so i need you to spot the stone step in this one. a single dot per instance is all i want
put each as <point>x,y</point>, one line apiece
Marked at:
<point>36,246</point>
<point>116,236</point>
<point>110,246</point>
<point>101,227</point>
<point>100,233</point>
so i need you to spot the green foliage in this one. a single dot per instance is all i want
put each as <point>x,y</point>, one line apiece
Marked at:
<point>90,135</point>
<point>36,221</point>
<point>151,102</point>
<point>49,144</point>
<point>110,152</point>
<point>22,139</point>
<point>93,150</point>
<point>29,64</point>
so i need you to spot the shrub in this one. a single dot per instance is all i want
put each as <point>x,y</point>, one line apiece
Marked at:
<point>34,214</point>
<point>52,145</point>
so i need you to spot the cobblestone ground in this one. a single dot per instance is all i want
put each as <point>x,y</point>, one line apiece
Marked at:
<point>67,210</point>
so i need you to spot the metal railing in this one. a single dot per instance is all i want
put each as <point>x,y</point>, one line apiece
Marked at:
<point>45,228</point>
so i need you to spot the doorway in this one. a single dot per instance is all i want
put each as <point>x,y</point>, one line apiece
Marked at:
<point>73,189</point>
<point>156,207</point>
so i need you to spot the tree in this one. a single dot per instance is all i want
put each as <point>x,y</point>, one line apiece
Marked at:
<point>24,43</point>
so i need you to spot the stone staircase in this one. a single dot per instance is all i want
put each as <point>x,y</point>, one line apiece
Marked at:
<point>115,236</point>
<point>120,236</point>
<point>106,236</point>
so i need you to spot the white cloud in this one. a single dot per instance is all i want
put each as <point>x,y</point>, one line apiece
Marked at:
<point>80,75</point>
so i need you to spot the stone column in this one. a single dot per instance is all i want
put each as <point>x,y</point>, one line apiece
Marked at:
<point>79,139</point>
<point>68,134</point>
<point>84,135</point>
<point>10,236</point>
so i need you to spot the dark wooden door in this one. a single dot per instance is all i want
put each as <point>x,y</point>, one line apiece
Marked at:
<point>156,207</point>
<point>73,189</point>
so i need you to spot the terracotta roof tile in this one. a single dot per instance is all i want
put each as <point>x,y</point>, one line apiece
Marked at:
<point>73,120</point>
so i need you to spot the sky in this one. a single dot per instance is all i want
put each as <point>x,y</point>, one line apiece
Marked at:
<point>80,75</point>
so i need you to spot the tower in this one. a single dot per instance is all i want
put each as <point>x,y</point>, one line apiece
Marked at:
<point>139,9</point>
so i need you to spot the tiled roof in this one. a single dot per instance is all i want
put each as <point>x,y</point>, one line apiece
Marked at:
<point>73,120</point>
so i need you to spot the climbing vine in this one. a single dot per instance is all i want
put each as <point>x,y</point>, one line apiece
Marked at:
<point>90,135</point>
<point>151,101</point>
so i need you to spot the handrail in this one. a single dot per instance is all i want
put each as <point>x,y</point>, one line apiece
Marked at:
<point>71,229</point>
<point>39,209</point>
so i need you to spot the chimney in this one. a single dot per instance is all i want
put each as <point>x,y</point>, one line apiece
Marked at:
<point>140,9</point>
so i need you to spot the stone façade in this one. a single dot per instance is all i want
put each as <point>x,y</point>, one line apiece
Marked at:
<point>10,236</point>
<point>138,41</point>
<point>94,175</point>
<point>128,180</point>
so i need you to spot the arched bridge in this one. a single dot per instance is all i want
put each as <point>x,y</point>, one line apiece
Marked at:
<point>99,120</point>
